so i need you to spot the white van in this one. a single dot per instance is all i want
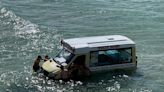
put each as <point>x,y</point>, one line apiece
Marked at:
<point>98,53</point>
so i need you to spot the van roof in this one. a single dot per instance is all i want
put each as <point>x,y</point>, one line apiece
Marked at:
<point>84,43</point>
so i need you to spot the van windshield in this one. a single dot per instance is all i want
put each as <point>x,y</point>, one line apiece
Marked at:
<point>64,56</point>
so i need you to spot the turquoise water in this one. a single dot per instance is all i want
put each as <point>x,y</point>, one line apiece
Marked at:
<point>34,27</point>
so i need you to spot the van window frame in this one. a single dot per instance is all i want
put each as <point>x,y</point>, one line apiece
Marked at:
<point>131,53</point>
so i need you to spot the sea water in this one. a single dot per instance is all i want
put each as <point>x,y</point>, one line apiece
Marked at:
<point>34,27</point>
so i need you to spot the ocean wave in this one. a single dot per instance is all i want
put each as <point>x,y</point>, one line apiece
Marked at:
<point>36,39</point>
<point>21,26</point>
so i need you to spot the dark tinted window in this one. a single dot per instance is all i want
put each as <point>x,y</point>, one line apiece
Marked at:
<point>110,57</point>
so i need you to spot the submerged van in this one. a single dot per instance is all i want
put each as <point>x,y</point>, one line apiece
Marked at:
<point>97,54</point>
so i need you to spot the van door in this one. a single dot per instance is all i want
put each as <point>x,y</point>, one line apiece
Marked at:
<point>78,67</point>
<point>76,64</point>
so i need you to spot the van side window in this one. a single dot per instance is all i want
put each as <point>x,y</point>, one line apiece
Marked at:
<point>111,57</point>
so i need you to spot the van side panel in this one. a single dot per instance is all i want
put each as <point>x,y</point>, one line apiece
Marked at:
<point>134,60</point>
<point>87,61</point>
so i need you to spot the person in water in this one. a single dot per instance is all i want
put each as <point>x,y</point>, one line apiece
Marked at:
<point>36,66</point>
<point>46,58</point>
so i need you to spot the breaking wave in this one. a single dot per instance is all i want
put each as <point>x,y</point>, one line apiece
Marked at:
<point>25,27</point>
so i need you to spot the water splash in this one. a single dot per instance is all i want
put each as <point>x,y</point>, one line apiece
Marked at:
<point>115,87</point>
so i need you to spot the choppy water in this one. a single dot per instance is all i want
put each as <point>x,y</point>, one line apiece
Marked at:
<point>32,27</point>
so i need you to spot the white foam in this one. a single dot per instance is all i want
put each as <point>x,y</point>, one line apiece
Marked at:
<point>20,25</point>
<point>116,87</point>
<point>125,76</point>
